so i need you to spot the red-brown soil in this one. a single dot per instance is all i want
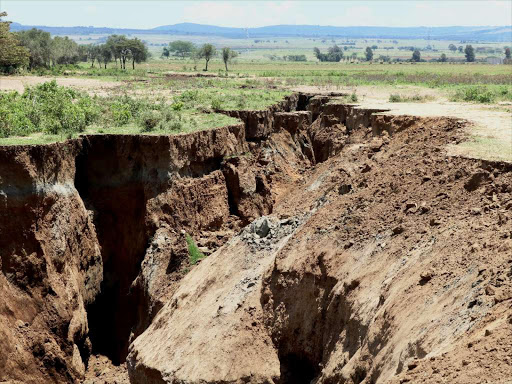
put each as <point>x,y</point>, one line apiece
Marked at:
<point>376,256</point>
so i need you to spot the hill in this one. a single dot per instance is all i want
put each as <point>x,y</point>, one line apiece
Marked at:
<point>479,33</point>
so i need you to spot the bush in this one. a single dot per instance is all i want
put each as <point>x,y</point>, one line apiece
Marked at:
<point>46,108</point>
<point>216,104</point>
<point>177,106</point>
<point>395,98</point>
<point>149,120</point>
<point>188,96</point>
<point>194,254</point>
<point>353,97</point>
<point>121,113</point>
<point>476,94</point>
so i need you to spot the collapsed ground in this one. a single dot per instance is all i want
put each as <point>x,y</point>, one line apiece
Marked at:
<point>378,257</point>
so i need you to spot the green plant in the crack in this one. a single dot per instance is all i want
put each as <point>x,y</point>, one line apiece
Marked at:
<point>194,254</point>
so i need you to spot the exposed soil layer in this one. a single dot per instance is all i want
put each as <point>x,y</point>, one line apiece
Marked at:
<point>344,246</point>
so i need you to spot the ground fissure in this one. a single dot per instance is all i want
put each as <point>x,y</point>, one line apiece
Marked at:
<point>139,195</point>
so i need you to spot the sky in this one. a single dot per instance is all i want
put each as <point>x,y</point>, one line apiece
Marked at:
<point>246,14</point>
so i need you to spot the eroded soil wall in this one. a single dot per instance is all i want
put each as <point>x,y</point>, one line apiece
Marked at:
<point>94,259</point>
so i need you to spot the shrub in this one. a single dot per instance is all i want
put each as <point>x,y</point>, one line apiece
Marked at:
<point>395,98</point>
<point>194,254</point>
<point>121,113</point>
<point>177,106</point>
<point>353,97</point>
<point>216,104</point>
<point>475,94</point>
<point>188,96</point>
<point>149,120</point>
<point>46,108</point>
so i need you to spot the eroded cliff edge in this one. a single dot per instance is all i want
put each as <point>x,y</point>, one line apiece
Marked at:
<point>365,268</point>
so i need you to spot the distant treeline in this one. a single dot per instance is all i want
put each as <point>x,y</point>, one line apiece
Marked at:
<point>35,48</point>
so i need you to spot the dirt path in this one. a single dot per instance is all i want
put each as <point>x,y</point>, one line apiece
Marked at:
<point>91,86</point>
<point>490,134</point>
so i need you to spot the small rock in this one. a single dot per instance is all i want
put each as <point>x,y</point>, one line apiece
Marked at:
<point>261,227</point>
<point>434,222</point>
<point>205,250</point>
<point>424,208</point>
<point>425,277</point>
<point>476,211</point>
<point>344,189</point>
<point>366,168</point>
<point>488,332</point>
<point>376,144</point>
<point>398,230</point>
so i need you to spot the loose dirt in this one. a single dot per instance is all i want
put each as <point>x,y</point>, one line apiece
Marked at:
<point>346,245</point>
<point>489,131</point>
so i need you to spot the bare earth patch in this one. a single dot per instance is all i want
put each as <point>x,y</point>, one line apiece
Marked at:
<point>91,86</point>
<point>490,134</point>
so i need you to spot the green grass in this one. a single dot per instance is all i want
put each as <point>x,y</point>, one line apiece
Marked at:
<point>482,94</point>
<point>194,254</point>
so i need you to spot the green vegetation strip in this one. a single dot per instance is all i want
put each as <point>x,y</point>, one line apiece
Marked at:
<point>48,112</point>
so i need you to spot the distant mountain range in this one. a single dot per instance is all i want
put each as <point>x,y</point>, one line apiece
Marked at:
<point>483,33</point>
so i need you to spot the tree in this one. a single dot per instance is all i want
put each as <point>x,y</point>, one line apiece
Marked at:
<point>93,53</point>
<point>105,54</point>
<point>227,55</point>
<point>469,51</point>
<point>461,48</point>
<point>12,54</point>
<point>507,53</point>
<point>452,47</point>
<point>369,54</point>
<point>117,44</point>
<point>416,55</point>
<point>63,50</point>
<point>38,44</point>
<point>181,48</point>
<point>334,54</point>
<point>207,52</point>
<point>138,51</point>
<point>82,52</point>
<point>443,58</point>
<point>166,52</point>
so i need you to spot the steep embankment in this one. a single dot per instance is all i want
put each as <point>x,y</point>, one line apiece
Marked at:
<point>77,220</point>
<point>376,265</point>
<point>378,257</point>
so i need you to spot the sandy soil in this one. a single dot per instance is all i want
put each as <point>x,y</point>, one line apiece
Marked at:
<point>91,86</point>
<point>490,131</point>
